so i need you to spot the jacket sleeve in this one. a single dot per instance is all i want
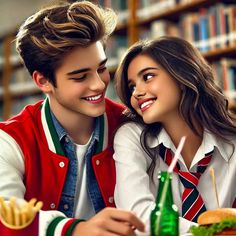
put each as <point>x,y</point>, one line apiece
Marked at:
<point>55,223</point>
<point>12,170</point>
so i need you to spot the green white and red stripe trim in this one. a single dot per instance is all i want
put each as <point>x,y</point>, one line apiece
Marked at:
<point>62,226</point>
<point>51,136</point>
<point>55,223</point>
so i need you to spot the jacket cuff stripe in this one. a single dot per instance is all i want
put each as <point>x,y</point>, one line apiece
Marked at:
<point>72,226</point>
<point>66,226</point>
<point>60,226</point>
<point>52,226</point>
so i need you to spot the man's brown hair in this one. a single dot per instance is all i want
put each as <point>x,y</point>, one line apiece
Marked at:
<point>45,37</point>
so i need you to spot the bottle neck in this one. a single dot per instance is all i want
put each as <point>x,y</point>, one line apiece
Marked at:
<point>164,194</point>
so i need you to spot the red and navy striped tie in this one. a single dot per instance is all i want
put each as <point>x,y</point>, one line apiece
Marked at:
<point>192,202</point>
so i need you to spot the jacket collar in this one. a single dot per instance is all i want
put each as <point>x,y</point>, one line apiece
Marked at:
<point>52,136</point>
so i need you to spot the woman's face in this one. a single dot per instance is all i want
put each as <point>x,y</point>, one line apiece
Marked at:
<point>155,95</point>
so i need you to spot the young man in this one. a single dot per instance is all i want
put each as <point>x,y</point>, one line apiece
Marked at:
<point>60,149</point>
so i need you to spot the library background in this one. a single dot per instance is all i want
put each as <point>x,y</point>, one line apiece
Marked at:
<point>209,24</point>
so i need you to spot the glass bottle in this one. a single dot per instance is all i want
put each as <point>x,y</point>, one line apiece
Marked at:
<point>164,217</point>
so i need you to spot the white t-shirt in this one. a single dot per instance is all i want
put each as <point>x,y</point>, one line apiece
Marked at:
<point>136,191</point>
<point>84,207</point>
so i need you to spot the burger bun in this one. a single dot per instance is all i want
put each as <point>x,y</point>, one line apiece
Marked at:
<point>216,216</point>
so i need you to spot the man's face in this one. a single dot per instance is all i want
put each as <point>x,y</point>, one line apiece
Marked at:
<point>81,81</point>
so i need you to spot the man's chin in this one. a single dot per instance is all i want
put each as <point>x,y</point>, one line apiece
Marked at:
<point>97,112</point>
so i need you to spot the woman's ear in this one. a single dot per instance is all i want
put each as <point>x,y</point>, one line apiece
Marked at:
<point>42,82</point>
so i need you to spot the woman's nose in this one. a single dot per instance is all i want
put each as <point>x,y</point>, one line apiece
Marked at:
<point>138,92</point>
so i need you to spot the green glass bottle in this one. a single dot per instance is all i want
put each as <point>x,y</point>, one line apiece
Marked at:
<point>164,217</point>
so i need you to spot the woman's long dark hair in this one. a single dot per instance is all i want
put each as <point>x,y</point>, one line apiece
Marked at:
<point>202,100</point>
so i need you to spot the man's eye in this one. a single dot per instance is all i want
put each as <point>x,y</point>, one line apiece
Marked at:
<point>81,78</point>
<point>101,70</point>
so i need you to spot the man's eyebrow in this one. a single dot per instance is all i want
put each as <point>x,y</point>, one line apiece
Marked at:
<point>85,69</point>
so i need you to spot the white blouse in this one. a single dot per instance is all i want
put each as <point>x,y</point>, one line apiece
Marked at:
<point>136,191</point>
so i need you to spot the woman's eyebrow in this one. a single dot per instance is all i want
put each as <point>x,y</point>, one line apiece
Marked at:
<point>147,68</point>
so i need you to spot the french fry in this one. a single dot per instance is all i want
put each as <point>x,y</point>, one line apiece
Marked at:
<point>17,217</point>
<point>38,206</point>
<point>32,202</point>
<point>30,207</point>
<point>16,211</point>
<point>9,215</point>
<point>12,206</point>
<point>24,215</point>
<point>2,208</point>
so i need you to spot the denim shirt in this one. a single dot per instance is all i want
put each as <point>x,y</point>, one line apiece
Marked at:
<point>68,199</point>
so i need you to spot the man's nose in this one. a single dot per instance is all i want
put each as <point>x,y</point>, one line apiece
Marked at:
<point>97,82</point>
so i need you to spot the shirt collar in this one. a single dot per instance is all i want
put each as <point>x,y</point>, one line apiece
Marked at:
<point>96,130</point>
<point>59,129</point>
<point>210,143</point>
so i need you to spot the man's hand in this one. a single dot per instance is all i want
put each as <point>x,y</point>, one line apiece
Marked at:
<point>109,222</point>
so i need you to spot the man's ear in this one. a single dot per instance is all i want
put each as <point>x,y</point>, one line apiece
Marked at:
<point>41,81</point>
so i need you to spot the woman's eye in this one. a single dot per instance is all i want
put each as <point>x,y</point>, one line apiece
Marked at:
<point>131,88</point>
<point>101,70</point>
<point>147,76</point>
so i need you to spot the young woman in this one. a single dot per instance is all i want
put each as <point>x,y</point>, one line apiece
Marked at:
<point>60,150</point>
<point>170,92</point>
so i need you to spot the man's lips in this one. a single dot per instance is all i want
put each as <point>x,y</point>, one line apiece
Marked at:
<point>95,98</point>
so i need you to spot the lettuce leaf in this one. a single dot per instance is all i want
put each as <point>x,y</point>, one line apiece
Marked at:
<point>214,228</point>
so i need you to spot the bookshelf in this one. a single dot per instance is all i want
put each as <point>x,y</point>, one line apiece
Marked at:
<point>176,8</point>
<point>138,19</point>
<point>6,75</point>
<point>15,83</point>
<point>210,25</point>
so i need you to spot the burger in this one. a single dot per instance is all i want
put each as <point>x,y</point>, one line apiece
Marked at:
<point>218,222</point>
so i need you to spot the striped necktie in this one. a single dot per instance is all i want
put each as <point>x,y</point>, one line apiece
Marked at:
<point>192,202</point>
